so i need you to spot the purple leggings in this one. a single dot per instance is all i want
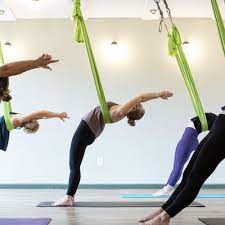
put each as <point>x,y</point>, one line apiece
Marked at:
<point>185,147</point>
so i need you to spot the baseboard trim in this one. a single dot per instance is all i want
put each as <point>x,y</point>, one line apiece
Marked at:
<point>98,186</point>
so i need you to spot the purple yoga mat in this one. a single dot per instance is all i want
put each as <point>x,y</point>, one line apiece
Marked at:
<point>23,221</point>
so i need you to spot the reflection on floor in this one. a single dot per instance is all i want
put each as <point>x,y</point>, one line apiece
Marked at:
<point>21,203</point>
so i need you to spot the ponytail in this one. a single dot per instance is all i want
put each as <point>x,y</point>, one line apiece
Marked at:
<point>4,90</point>
<point>131,122</point>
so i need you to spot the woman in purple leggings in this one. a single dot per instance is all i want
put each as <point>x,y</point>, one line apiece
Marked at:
<point>187,144</point>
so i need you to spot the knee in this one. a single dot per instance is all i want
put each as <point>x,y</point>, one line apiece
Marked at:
<point>185,177</point>
<point>177,171</point>
<point>74,166</point>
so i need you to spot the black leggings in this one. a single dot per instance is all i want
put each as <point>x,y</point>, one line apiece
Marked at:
<point>81,139</point>
<point>209,154</point>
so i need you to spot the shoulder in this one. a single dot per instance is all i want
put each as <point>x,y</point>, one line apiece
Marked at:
<point>17,120</point>
<point>110,104</point>
<point>2,119</point>
<point>211,115</point>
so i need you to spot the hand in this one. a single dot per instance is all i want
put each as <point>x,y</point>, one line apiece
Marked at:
<point>45,60</point>
<point>165,95</point>
<point>62,116</point>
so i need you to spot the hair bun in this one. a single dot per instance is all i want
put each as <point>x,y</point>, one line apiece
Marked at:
<point>6,97</point>
<point>131,122</point>
<point>4,90</point>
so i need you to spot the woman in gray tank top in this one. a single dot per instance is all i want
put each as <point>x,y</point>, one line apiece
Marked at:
<point>90,128</point>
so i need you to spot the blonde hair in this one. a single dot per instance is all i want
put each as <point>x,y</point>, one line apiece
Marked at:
<point>31,127</point>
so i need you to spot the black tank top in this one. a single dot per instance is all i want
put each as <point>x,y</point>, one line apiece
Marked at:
<point>211,117</point>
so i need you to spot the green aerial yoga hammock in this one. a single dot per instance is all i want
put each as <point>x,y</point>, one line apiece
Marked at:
<point>81,35</point>
<point>2,61</point>
<point>219,22</point>
<point>176,50</point>
<point>6,106</point>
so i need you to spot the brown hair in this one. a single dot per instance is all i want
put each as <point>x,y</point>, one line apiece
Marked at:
<point>4,90</point>
<point>135,115</point>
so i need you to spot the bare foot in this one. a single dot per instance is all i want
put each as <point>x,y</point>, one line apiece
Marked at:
<point>66,201</point>
<point>151,216</point>
<point>162,219</point>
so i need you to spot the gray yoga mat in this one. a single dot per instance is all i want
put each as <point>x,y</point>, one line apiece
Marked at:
<point>116,204</point>
<point>213,221</point>
<point>23,221</point>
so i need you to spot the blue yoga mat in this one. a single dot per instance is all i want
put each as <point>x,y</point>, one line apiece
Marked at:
<point>23,221</point>
<point>167,196</point>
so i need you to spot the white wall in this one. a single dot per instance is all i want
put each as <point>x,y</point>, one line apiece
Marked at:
<point>131,155</point>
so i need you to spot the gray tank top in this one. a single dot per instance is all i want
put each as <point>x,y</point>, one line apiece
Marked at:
<point>95,121</point>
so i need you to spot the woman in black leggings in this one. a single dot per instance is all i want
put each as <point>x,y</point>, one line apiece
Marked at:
<point>209,154</point>
<point>91,127</point>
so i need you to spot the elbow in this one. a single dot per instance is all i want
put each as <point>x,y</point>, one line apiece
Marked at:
<point>141,99</point>
<point>40,114</point>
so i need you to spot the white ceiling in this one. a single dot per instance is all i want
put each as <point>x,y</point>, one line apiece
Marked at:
<point>30,9</point>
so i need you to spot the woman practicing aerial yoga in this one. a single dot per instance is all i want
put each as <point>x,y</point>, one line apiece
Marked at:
<point>28,122</point>
<point>91,127</point>
<point>208,155</point>
<point>187,144</point>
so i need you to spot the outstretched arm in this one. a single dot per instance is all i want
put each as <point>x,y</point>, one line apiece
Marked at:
<point>38,115</point>
<point>121,111</point>
<point>16,68</point>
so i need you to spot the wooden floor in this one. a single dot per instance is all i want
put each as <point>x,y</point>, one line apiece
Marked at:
<point>21,203</point>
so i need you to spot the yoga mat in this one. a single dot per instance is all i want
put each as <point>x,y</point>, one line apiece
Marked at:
<point>116,204</point>
<point>23,221</point>
<point>212,221</point>
<point>201,196</point>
